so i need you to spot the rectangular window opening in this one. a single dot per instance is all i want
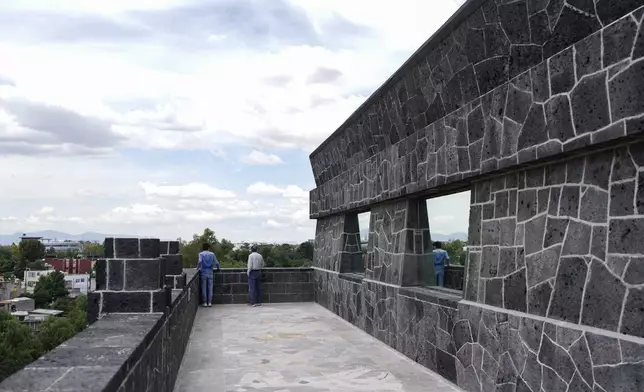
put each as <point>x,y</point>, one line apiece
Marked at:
<point>448,227</point>
<point>358,244</point>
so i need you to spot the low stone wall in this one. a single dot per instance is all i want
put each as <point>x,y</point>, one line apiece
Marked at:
<point>485,348</point>
<point>278,285</point>
<point>120,352</point>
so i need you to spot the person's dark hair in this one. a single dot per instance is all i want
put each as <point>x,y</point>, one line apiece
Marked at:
<point>205,246</point>
<point>253,248</point>
<point>438,245</point>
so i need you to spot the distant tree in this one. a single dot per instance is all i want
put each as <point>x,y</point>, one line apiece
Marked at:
<point>92,249</point>
<point>78,313</point>
<point>31,250</point>
<point>65,304</point>
<point>190,250</point>
<point>8,262</point>
<point>457,254</point>
<point>50,288</point>
<point>275,255</point>
<point>18,345</point>
<point>305,250</point>
<point>54,331</point>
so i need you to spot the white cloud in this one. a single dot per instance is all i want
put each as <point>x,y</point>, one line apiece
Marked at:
<point>46,210</point>
<point>261,158</point>
<point>123,92</point>
<point>188,191</point>
<point>289,191</point>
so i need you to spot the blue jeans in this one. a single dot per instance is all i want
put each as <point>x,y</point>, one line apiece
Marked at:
<point>440,276</point>
<point>255,286</point>
<point>206,286</point>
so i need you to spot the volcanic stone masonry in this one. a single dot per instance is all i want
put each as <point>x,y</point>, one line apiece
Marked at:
<point>135,278</point>
<point>537,108</point>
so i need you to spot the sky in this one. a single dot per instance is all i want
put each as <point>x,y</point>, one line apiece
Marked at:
<point>162,117</point>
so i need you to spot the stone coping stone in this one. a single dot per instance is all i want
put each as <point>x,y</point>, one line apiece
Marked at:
<point>440,296</point>
<point>352,277</point>
<point>268,269</point>
<point>96,359</point>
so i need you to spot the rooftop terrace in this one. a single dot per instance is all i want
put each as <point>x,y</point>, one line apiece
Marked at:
<point>293,347</point>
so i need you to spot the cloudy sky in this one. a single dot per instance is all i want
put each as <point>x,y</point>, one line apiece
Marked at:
<point>162,117</point>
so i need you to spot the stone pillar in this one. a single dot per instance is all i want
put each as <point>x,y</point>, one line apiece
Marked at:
<point>337,244</point>
<point>400,247</point>
<point>131,279</point>
<point>174,276</point>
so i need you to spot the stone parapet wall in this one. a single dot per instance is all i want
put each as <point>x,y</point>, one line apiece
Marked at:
<point>584,94</point>
<point>485,348</point>
<point>118,353</point>
<point>279,285</point>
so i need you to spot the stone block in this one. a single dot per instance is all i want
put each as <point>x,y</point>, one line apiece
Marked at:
<point>174,264</point>
<point>169,247</point>
<point>126,302</point>
<point>143,274</point>
<point>126,248</point>
<point>161,299</point>
<point>93,306</point>
<point>116,274</point>
<point>149,248</point>
<point>108,247</point>
<point>101,274</point>
<point>603,298</point>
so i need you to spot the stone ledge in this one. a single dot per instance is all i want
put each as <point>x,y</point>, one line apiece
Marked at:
<point>355,278</point>
<point>120,352</point>
<point>438,296</point>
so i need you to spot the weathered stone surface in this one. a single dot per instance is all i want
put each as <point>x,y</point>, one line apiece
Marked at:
<point>603,298</point>
<point>115,274</point>
<point>514,287</point>
<point>624,235</point>
<point>633,317</point>
<point>556,358</point>
<point>604,350</point>
<point>577,240</point>
<point>542,266</point>
<point>539,299</point>
<point>569,289</point>
<point>618,40</point>
<point>581,357</point>
<point>142,274</point>
<point>627,92</point>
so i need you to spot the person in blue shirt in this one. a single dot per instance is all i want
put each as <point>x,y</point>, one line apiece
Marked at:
<point>207,262</point>
<point>441,259</point>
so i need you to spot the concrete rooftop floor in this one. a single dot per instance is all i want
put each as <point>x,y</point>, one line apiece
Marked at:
<point>293,348</point>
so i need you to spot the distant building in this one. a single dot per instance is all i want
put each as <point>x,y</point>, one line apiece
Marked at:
<point>9,290</point>
<point>18,304</point>
<point>77,284</point>
<point>32,277</point>
<point>62,246</point>
<point>71,266</point>
<point>35,317</point>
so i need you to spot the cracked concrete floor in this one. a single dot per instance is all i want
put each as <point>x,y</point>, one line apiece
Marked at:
<point>293,348</point>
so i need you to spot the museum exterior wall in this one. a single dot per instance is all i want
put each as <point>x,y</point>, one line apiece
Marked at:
<point>582,87</point>
<point>537,108</point>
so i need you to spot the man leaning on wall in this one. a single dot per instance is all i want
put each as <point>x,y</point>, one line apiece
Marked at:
<point>255,265</point>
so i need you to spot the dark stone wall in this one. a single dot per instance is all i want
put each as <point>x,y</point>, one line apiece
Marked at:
<point>449,119</point>
<point>279,285</point>
<point>118,353</point>
<point>537,107</point>
<point>485,348</point>
<point>564,241</point>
